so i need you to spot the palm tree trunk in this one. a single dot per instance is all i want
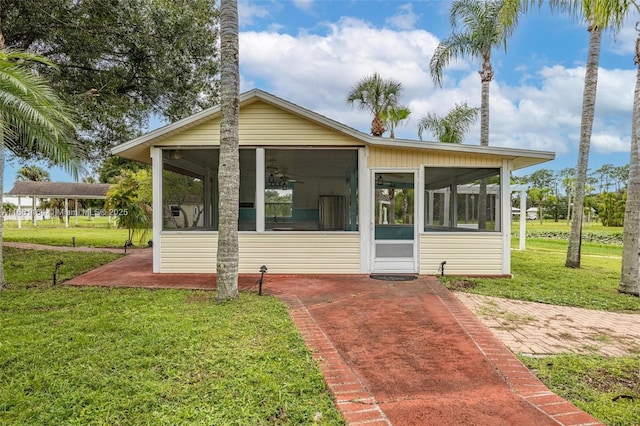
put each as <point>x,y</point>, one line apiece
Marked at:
<point>484,141</point>
<point>630,274</point>
<point>3,282</point>
<point>229,162</point>
<point>588,109</point>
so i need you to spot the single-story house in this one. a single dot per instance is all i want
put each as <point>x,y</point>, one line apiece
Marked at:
<point>317,196</point>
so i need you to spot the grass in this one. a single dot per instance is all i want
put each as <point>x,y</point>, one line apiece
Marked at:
<point>96,233</point>
<point>540,276</point>
<point>607,388</point>
<point>560,246</point>
<point>80,356</point>
<point>33,269</point>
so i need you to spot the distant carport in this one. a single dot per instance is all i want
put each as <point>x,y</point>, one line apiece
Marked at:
<point>66,190</point>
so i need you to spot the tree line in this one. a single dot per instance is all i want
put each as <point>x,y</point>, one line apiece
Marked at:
<point>553,192</point>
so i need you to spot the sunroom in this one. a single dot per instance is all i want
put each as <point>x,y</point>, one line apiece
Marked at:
<point>319,197</point>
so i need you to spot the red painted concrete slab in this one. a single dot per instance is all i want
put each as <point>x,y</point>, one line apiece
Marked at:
<point>402,353</point>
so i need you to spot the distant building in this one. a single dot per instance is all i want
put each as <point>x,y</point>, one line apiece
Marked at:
<point>24,208</point>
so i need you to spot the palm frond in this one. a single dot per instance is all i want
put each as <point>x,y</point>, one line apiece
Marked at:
<point>452,127</point>
<point>32,116</point>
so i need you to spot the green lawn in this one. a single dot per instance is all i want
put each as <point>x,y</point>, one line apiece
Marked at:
<point>78,356</point>
<point>94,233</point>
<point>540,276</point>
<point>607,388</point>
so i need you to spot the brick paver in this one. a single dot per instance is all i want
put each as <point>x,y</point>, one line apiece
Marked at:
<point>541,329</point>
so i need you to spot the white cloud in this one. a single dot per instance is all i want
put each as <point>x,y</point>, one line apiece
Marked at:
<point>248,11</point>
<point>316,71</point>
<point>404,19</point>
<point>607,143</point>
<point>303,4</point>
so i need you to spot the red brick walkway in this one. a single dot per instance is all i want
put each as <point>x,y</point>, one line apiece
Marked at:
<point>401,353</point>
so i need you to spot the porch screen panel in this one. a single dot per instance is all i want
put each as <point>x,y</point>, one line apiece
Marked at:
<point>462,199</point>
<point>311,189</point>
<point>190,189</point>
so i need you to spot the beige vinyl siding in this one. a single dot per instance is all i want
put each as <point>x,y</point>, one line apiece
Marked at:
<point>471,253</point>
<point>281,252</point>
<point>262,124</point>
<point>382,157</point>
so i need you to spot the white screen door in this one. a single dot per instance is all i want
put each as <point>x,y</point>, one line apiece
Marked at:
<point>394,229</point>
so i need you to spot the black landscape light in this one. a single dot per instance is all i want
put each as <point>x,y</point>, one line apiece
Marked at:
<point>73,241</point>
<point>263,269</point>
<point>441,268</point>
<point>55,272</point>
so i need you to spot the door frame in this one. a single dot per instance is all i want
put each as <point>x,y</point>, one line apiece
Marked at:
<point>414,269</point>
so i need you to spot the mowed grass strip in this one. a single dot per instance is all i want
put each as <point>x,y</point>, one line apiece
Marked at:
<point>88,234</point>
<point>607,388</point>
<point>540,276</point>
<point>31,269</point>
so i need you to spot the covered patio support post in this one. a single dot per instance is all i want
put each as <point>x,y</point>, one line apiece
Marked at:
<point>260,187</point>
<point>75,201</point>
<point>156,173</point>
<point>505,212</point>
<point>523,219</point>
<point>33,211</point>
<point>19,212</point>
<point>66,212</point>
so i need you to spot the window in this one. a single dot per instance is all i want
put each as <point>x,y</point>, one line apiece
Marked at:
<point>462,199</point>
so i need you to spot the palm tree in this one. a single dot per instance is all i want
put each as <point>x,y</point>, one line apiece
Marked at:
<point>599,15</point>
<point>484,28</point>
<point>393,116</point>
<point>229,160</point>
<point>33,173</point>
<point>452,127</point>
<point>377,95</point>
<point>630,273</point>
<point>32,116</point>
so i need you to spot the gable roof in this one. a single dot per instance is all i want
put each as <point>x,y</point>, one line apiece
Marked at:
<point>60,190</point>
<point>131,149</point>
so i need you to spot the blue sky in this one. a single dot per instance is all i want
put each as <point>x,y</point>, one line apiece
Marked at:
<point>312,52</point>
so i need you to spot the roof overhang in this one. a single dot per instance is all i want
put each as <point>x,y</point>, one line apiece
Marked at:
<point>93,191</point>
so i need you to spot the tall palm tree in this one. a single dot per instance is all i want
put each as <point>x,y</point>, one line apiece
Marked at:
<point>377,95</point>
<point>452,127</point>
<point>599,15</point>
<point>229,162</point>
<point>483,29</point>
<point>393,116</point>
<point>630,273</point>
<point>32,116</point>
